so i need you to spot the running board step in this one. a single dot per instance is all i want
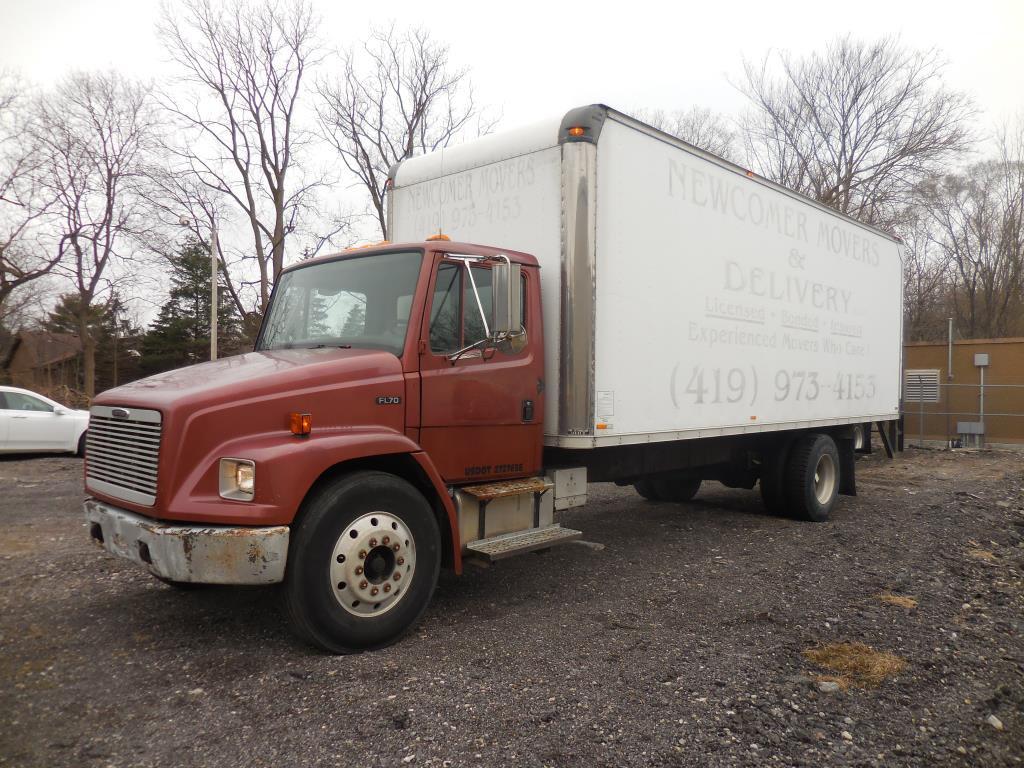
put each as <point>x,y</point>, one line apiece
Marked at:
<point>491,491</point>
<point>508,544</point>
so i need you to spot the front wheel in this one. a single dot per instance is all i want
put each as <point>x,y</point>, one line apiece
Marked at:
<point>81,444</point>
<point>362,563</point>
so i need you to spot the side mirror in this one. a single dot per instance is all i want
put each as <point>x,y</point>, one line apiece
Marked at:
<point>60,410</point>
<point>506,290</point>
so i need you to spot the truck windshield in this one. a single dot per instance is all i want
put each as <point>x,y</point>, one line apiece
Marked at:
<point>360,302</point>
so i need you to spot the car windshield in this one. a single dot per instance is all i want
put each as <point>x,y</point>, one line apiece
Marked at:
<point>360,302</point>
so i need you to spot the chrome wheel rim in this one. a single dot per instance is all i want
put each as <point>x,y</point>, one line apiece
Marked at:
<point>372,564</point>
<point>824,479</point>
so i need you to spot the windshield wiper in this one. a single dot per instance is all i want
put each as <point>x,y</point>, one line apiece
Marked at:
<point>292,345</point>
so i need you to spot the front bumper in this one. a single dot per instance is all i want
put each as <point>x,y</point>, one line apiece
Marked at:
<point>203,554</point>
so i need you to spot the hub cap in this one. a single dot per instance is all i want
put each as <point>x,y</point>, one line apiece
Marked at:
<point>824,479</point>
<point>372,564</point>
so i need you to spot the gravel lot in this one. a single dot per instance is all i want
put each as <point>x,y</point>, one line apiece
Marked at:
<point>678,643</point>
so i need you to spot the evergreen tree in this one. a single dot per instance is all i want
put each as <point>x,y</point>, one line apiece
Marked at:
<point>181,333</point>
<point>117,340</point>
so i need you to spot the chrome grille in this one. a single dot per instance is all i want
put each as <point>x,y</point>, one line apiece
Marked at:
<point>122,452</point>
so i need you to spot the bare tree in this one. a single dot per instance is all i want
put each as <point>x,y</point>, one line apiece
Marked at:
<point>925,277</point>
<point>397,96</point>
<point>856,126</point>
<point>979,216</point>
<point>23,202</point>
<point>243,69</point>
<point>93,131</point>
<point>697,125</point>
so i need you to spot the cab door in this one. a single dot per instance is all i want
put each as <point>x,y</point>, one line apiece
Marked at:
<point>481,412</point>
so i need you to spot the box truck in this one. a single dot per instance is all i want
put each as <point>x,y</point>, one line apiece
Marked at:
<point>582,300</point>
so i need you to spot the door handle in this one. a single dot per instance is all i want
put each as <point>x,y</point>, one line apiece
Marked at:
<point>527,410</point>
<point>19,417</point>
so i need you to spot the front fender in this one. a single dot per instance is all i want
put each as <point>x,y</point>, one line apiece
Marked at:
<point>286,468</point>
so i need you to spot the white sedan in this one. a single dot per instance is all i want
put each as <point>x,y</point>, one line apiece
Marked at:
<point>32,423</point>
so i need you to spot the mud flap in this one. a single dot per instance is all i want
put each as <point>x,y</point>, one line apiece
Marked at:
<point>847,467</point>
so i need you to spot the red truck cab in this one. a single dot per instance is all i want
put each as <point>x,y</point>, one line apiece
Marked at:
<point>383,378</point>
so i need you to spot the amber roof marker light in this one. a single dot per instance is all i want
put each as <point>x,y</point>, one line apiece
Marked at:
<point>301,423</point>
<point>438,236</point>
<point>577,130</point>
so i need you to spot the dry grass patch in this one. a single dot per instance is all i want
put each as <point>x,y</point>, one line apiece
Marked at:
<point>855,663</point>
<point>982,554</point>
<point>901,600</point>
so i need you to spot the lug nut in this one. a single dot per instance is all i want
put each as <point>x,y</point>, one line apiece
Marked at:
<point>363,585</point>
<point>362,554</point>
<point>374,591</point>
<point>373,543</point>
<point>400,561</point>
<point>359,570</point>
<point>397,577</point>
<point>395,547</point>
<point>386,540</point>
<point>387,587</point>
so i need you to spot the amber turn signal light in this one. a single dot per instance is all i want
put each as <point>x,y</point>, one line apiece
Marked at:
<point>302,423</point>
<point>577,130</point>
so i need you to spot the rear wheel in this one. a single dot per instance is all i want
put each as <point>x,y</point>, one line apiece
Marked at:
<point>860,437</point>
<point>675,487</point>
<point>362,563</point>
<point>812,478</point>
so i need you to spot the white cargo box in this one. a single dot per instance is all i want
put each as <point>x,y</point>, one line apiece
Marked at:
<point>683,297</point>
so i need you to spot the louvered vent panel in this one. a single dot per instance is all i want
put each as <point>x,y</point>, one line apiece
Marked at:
<point>921,386</point>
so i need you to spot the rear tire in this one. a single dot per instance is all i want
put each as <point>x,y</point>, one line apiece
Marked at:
<point>676,488</point>
<point>812,478</point>
<point>348,593</point>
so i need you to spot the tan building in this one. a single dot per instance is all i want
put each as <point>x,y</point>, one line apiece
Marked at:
<point>952,404</point>
<point>42,361</point>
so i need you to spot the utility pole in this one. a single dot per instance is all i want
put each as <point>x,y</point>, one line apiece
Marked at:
<point>214,304</point>
<point>116,330</point>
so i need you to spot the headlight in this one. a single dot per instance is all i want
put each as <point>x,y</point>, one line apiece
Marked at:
<point>237,479</point>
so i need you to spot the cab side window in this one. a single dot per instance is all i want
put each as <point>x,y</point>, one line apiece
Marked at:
<point>446,310</point>
<point>455,319</point>
<point>473,324</point>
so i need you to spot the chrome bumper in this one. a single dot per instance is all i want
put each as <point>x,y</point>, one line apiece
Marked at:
<point>208,554</point>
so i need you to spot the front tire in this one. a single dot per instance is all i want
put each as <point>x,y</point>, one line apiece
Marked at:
<point>81,444</point>
<point>362,563</point>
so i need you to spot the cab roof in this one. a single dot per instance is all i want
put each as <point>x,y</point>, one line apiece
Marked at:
<point>444,246</point>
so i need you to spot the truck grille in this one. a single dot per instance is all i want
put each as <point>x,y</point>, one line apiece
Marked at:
<point>122,452</point>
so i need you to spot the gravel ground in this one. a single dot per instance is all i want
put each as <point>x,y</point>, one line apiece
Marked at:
<point>678,643</point>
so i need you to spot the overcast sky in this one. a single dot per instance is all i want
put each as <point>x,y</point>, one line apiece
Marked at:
<point>537,59</point>
<point>534,60</point>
